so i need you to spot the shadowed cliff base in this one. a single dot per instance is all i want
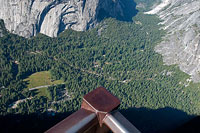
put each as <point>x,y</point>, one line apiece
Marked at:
<point>3,30</point>
<point>146,120</point>
<point>129,11</point>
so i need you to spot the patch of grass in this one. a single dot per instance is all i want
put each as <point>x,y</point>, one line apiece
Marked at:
<point>40,79</point>
<point>42,92</point>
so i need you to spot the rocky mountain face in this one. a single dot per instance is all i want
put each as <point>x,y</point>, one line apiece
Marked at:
<point>181,45</point>
<point>50,17</point>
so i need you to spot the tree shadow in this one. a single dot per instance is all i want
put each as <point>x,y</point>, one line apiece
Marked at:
<point>155,121</point>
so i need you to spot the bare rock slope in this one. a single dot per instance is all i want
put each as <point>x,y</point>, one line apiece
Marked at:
<point>181,45</point>
<point>50,17</point>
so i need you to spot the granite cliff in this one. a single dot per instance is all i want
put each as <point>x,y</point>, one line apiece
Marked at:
<point>50,17</point>
<point>181,45</point>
